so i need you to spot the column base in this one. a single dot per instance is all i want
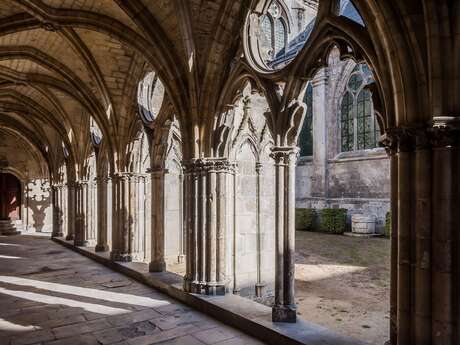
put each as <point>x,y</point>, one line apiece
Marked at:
<point>284,313</point>
<point>101,248</point>
<point>187,285</point>
<point>122,257</point>
<point>59,234</point>
<point>260,289</point>
<point>69,237</point>
<point>157,266</point>
<point>84,243</point>
<point>236,291</point>
<point>197,287</point>
<point>215,289</point>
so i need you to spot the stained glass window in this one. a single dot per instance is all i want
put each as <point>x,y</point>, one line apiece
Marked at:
<point>356,80</point>
<point>280,36</point>
<point>266,38</point>
<point>359,128</point>
<point>347,122</point>
<point>306,134</point>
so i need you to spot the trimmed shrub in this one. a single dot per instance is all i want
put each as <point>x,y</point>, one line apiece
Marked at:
<point>305,218</point>
<point>388,225</point>
<point>333,220</point>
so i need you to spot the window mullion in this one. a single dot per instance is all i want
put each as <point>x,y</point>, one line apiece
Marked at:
<point>355,124</point>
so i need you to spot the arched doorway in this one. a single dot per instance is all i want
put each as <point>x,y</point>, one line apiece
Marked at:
<point>10,197</point>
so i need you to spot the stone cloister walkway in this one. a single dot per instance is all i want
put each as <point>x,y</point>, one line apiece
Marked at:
<point>51,295</point>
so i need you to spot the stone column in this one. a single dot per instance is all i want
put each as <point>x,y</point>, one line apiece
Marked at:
<point>92,214</point>
<point>181,257</point>
<point>426,282</point>
<point>206,225</point>
<point>124,218</point>
<point>260,285</point>
<point>191,221</point>
<point>57,210</point>
<point>64,211</point>
<point>423,238</point>
<point>102,245</point>
<point>235,266</point>
<point>320,130</point>
<point>61,210</point>
<point>83,237</point>
<point>390,144</point>
<point>284,309</point>
<point>78,239</point>
<point>71,211</point>
<point>157,262</point>
<point>444,240</point>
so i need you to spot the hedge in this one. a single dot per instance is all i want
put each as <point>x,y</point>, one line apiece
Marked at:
<point>333,220</point>
<point>305,218</point>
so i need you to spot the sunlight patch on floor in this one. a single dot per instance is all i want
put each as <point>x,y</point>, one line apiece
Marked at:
<point>86,292</point>
<point>13,327</point>
<point>313,272</point>
<point>47,299</point>
<point>10,257</point>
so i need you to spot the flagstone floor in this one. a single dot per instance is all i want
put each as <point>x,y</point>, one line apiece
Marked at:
<point>51,295</point>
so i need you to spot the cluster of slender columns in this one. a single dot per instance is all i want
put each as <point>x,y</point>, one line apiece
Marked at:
<point>205,225</point>
<point>86,207</point>
<point>285,309</point>
<point>126,242</point>
<point>58,195</point>
<point>425,163</point>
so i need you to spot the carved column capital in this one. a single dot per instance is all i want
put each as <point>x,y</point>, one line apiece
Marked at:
<point>285,154</point>
<point>204,165</point>
<point>445,132</point>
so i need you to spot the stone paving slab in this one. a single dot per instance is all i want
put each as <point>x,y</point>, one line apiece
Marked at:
<point>244,314</point>
<point>53,296</point>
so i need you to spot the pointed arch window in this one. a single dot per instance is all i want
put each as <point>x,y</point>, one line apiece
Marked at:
<point>359,127</point>
<point>306,134</point>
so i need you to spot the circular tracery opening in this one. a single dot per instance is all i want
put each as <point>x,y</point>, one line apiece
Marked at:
<point>277,30</point>
<point>150,94</point>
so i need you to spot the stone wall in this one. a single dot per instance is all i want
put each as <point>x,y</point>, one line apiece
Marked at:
<point>359,180</point>
<point>19,158</point>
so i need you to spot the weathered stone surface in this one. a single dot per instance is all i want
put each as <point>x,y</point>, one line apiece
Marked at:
<point>169,322</point>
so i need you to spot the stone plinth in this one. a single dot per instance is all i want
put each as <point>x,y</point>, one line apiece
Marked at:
<point>8,227</point>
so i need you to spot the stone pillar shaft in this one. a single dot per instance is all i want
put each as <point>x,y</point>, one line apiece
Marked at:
<point>157,262</point>
<point>284,309</point>
<point>124,220</point>
<point>55,197</point>
<point>259,288</point>
<point>320,130</point>
<point>424,289</point>
<point>423,253</point>
<point>84,232</point>
<point>102,245</point>
<point>71,211</point>
<point>443,256</point>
